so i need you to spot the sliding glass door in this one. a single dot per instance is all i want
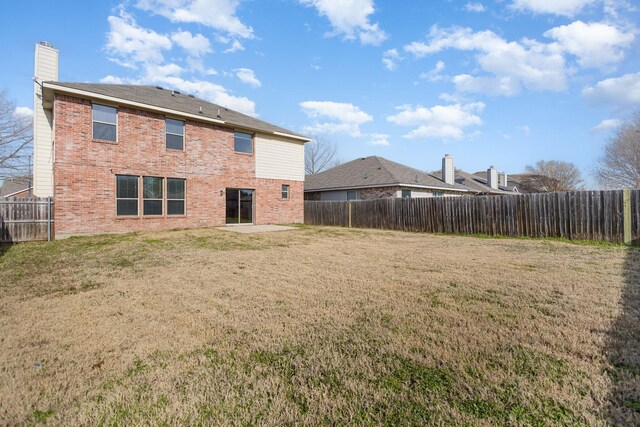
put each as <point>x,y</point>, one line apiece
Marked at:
<point>239,206</point>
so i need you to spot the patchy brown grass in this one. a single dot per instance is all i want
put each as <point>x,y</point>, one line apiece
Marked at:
<point>318,326</point>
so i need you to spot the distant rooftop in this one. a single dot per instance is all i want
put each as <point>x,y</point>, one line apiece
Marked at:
<point>373,171</point>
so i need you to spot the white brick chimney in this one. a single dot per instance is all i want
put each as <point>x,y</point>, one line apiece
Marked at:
<point>492,177</point>
<point>45,69</point>
<point>448,173</point>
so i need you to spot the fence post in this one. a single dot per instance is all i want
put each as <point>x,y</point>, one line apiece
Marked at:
<point>349,214</point>
<point>49,218</point>
<point>626,203</point>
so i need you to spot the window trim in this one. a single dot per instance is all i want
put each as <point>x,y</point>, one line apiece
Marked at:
<point>137,215</point>
<point>166,199</point>
<point>184,131</point>
<point>282,191</point>
<point>253,142</point>
<point>352,191</point>
<point>161,215</point>
<point>93,138</point>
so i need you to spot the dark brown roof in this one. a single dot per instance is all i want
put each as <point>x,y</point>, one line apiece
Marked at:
<point>155,96</point>
<point>373,171</point>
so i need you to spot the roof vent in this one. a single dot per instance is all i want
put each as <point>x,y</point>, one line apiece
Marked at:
<point>219,116</point>
<point>159,87</point>
<point>46,43</point>
<point>191,96</point>
<point>200,111</point>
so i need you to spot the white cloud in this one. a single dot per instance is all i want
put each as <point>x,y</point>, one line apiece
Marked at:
<point>555,7</point>
<point>342,117</point>
<point>128,43</point>
<point>350,18</point>
<point>595,44</point>
<point>390,58</point>
<point>623,91</point>
<point>206,90</point>
<point>474,7</point>
<point>196,45</point>
<point>219,15</point>
<point>434,75</point>
<point>506,85</point>
<point>236,46</point>
<point>439,121</point>
<point>111,80</point>
<point>528,63</point>
<point>379,139</point>
<point>525,129</point>
<point>606,125</point>
<point>246,75</point>
<point>23,112</point>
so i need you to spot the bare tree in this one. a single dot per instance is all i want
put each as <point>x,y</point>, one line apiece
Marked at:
<point>15,140</point>
<point>554,175</point>
<point>319,154</point>
<point>620,165</point>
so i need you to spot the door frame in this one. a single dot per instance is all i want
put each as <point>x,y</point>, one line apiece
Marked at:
<point>253,204</point>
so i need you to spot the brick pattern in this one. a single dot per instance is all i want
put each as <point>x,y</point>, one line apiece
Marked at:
<point>85,172</point>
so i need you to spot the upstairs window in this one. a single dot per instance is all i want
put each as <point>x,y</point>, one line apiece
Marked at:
<point>285,191</point>
<point>105,122</point>
<point>243,142</point>
<point>406,194</point>
<point>175,134</point>
<point>175,196</point>
<point>126,195</point>
<point>152,195</point>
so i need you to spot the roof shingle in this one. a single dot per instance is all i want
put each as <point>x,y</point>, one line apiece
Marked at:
<point>373,171</point>
<point>155,96</point>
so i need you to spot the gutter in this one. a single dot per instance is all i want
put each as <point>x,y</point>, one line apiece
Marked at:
<point>115,100</point>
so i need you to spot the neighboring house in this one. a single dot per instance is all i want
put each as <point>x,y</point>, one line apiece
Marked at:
<point>16,187</point>
<point>374,178</point>
<point>120,158</point>
<point>479,185</point>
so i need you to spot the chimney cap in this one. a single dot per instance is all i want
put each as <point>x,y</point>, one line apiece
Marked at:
<point>45,43</point>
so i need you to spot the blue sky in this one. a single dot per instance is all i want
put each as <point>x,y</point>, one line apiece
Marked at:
<point>502,83</point>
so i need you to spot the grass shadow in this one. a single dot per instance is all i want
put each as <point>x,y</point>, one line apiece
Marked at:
<point>4,248</point>
<point>623,348</point>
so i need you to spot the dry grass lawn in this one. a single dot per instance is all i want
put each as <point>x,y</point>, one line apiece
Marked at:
<point>318,326</point>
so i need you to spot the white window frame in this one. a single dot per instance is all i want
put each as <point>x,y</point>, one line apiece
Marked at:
<point>137,199</point>
<point>161,199</point>
<point>167,199</point>
<point>283,191</point>
<point>104,123</point>
<point>252,142</point>
<point>166,132</point>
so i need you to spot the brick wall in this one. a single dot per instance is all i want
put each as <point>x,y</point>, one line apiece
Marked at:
<point>85,172</point>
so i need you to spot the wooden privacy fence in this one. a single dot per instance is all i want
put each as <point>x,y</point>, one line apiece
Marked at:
<point>24,219</point>
<point>578,215</point>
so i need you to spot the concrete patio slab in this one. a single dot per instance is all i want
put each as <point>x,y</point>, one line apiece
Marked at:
<point>255,228</point>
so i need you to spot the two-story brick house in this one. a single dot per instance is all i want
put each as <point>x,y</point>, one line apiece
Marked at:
<point>120,158</point>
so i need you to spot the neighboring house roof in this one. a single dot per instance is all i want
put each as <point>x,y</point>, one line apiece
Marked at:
<point>12,186</point>
<point>373,171</point>
<point>523,182</point>
<point>476,183</point>
<point>156,96</point>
